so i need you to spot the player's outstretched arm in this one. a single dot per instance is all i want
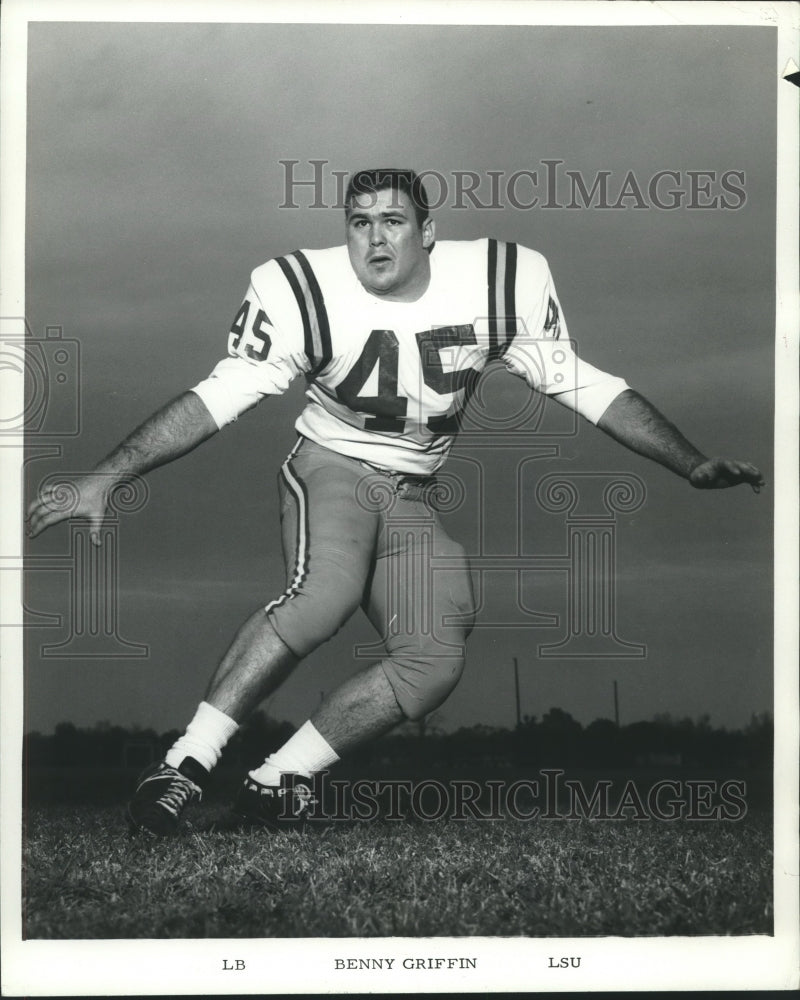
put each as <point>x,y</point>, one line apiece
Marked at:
<point>636,423</point>
<point>172,431</point>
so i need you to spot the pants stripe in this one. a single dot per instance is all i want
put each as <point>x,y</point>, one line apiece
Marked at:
<point>297,488</point>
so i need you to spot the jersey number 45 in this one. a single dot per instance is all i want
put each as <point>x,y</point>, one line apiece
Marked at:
<point>387,411</point>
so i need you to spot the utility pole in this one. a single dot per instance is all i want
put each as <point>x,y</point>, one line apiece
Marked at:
<point>516,689</point>
<point>616,705</point>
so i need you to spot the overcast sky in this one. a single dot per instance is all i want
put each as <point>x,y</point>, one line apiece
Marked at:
<point>154,188</point>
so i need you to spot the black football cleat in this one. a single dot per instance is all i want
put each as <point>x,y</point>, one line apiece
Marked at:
<point>162,794</point>
<point>277,807</point>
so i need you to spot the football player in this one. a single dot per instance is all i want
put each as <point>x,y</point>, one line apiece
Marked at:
<point>391,332</point>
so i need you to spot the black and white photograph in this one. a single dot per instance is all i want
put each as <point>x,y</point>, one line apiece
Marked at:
<point>399,532</point>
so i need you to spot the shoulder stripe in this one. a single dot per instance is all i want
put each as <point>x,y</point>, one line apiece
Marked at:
<point>501,281</point>
<point>319,312</point>
<point>294,284</point>
<point>510,292</point>
<point>491,282</point>
<point>310,302</point>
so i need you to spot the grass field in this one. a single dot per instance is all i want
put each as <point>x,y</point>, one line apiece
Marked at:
<point>85,877</point>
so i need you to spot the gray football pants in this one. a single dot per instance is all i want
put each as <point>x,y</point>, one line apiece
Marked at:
<point>353,536</point>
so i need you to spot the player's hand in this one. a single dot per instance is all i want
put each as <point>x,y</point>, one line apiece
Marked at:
<point>83,497</point>
<point>720,473</point>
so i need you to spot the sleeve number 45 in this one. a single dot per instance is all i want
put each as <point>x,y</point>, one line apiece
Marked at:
<point>257,341</point>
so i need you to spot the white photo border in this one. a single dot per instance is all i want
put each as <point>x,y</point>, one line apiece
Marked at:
<point>88,968</point>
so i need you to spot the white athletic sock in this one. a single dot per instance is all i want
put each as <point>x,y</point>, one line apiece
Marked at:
<point>306,752</point>
<point>205,736</point>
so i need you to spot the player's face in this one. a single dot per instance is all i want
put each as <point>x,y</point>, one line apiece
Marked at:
<point>387,246</point>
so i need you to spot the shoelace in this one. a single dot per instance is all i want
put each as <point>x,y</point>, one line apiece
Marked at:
<point>178,793</point>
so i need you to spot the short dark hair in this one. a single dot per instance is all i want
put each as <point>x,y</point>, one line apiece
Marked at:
<point>380,178</point>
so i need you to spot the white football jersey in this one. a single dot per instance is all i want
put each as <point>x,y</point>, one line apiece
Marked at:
<point>387,381</point>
